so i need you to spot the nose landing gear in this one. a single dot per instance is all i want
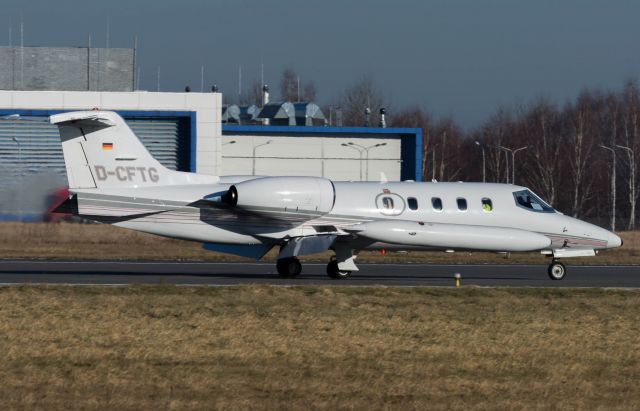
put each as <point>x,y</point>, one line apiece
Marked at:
<point>556,270</point>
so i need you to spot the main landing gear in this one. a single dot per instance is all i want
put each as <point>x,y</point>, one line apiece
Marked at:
<point>556,270</point>
<point>340,266</point>
<point>335,272</point>
<point>289,267</point>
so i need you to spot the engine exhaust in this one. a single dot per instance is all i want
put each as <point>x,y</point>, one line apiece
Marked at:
<point>230,198</point>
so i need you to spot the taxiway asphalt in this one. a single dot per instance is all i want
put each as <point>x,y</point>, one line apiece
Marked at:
<point>210,273</point>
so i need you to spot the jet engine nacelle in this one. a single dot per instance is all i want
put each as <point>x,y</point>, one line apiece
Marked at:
<point>305,197</point>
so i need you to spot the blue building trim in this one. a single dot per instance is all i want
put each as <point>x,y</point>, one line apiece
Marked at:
<point>26,217</point>
<point>317,130</point>
<point>410,140</point>
<point>190,115</point>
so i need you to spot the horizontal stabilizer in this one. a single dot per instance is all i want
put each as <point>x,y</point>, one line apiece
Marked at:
<point>34,119</point>
<point>84,119</point>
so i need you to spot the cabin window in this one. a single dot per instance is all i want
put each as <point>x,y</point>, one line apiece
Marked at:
<point>529,201</point>
<point>413,203</point>
<point>462,204</point>
<point>436,202</point>
<point>487,205</point>
<point>387,203</point>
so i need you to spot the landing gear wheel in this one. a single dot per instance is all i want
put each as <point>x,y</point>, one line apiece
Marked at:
<point>556,270</point>
<point>334,272</point>
<point>289,267</point>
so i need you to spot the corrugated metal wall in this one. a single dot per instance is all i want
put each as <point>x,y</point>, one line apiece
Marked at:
<point>162,137</point>
<point>32,147</point>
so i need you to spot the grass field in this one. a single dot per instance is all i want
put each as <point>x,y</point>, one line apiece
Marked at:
<point>97,241</point>
<point>132,348</point>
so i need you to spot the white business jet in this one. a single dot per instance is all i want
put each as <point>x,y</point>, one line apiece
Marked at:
<point>113,179</point>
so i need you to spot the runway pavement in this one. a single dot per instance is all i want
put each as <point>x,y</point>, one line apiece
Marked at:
<point>205,273</point>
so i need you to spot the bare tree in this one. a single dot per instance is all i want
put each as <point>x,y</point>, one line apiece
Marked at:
<point>610,120</point>
<point>358,97</point>
<point>291,89</point>
<point>492,135</point>
<point>446,150</point>
<point>417,118</point>
<point>540,129</point>
<point>579,149</point>
<point>631,98</point>
<point>309,92</point>
<point>254,94</point>
<point>289,85</point>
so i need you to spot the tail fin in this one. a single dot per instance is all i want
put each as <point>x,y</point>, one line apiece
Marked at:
<point>101,151</point>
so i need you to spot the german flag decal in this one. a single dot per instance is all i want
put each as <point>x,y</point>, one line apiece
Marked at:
<point>107,146</point>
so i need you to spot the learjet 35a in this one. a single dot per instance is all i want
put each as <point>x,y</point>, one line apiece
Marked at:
<point>113,179</point>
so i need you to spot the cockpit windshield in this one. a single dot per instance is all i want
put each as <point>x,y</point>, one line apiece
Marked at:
<point>526,199</point>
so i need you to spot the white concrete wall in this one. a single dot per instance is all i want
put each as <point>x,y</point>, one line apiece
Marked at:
<point>207,107</point>
<point>311,156</point>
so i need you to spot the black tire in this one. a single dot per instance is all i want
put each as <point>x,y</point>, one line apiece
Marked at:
<point>289,267</point>
<point>556,271</point>
<point>334,272</point>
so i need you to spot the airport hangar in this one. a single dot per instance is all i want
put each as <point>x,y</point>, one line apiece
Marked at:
<point>184,131</point>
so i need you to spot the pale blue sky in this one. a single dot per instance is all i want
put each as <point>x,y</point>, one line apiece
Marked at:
<point>461,58</point>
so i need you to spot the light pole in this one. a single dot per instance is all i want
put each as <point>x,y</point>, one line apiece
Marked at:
<point>632,186</point>
<point>366,151</point>
<point>351,145</point>
<point>613,186</point>
<point>513,161</point>
<point>506,150</point>
<point>484,161</point>
<point>253,168</point>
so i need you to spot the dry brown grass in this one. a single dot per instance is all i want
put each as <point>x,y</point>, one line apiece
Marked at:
<point>132,348</point>
<point>97,241</point>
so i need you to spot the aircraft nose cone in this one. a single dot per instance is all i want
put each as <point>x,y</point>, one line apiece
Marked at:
<point>614,241</point>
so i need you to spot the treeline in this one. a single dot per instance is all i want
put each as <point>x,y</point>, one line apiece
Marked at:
<point>570,155</point>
